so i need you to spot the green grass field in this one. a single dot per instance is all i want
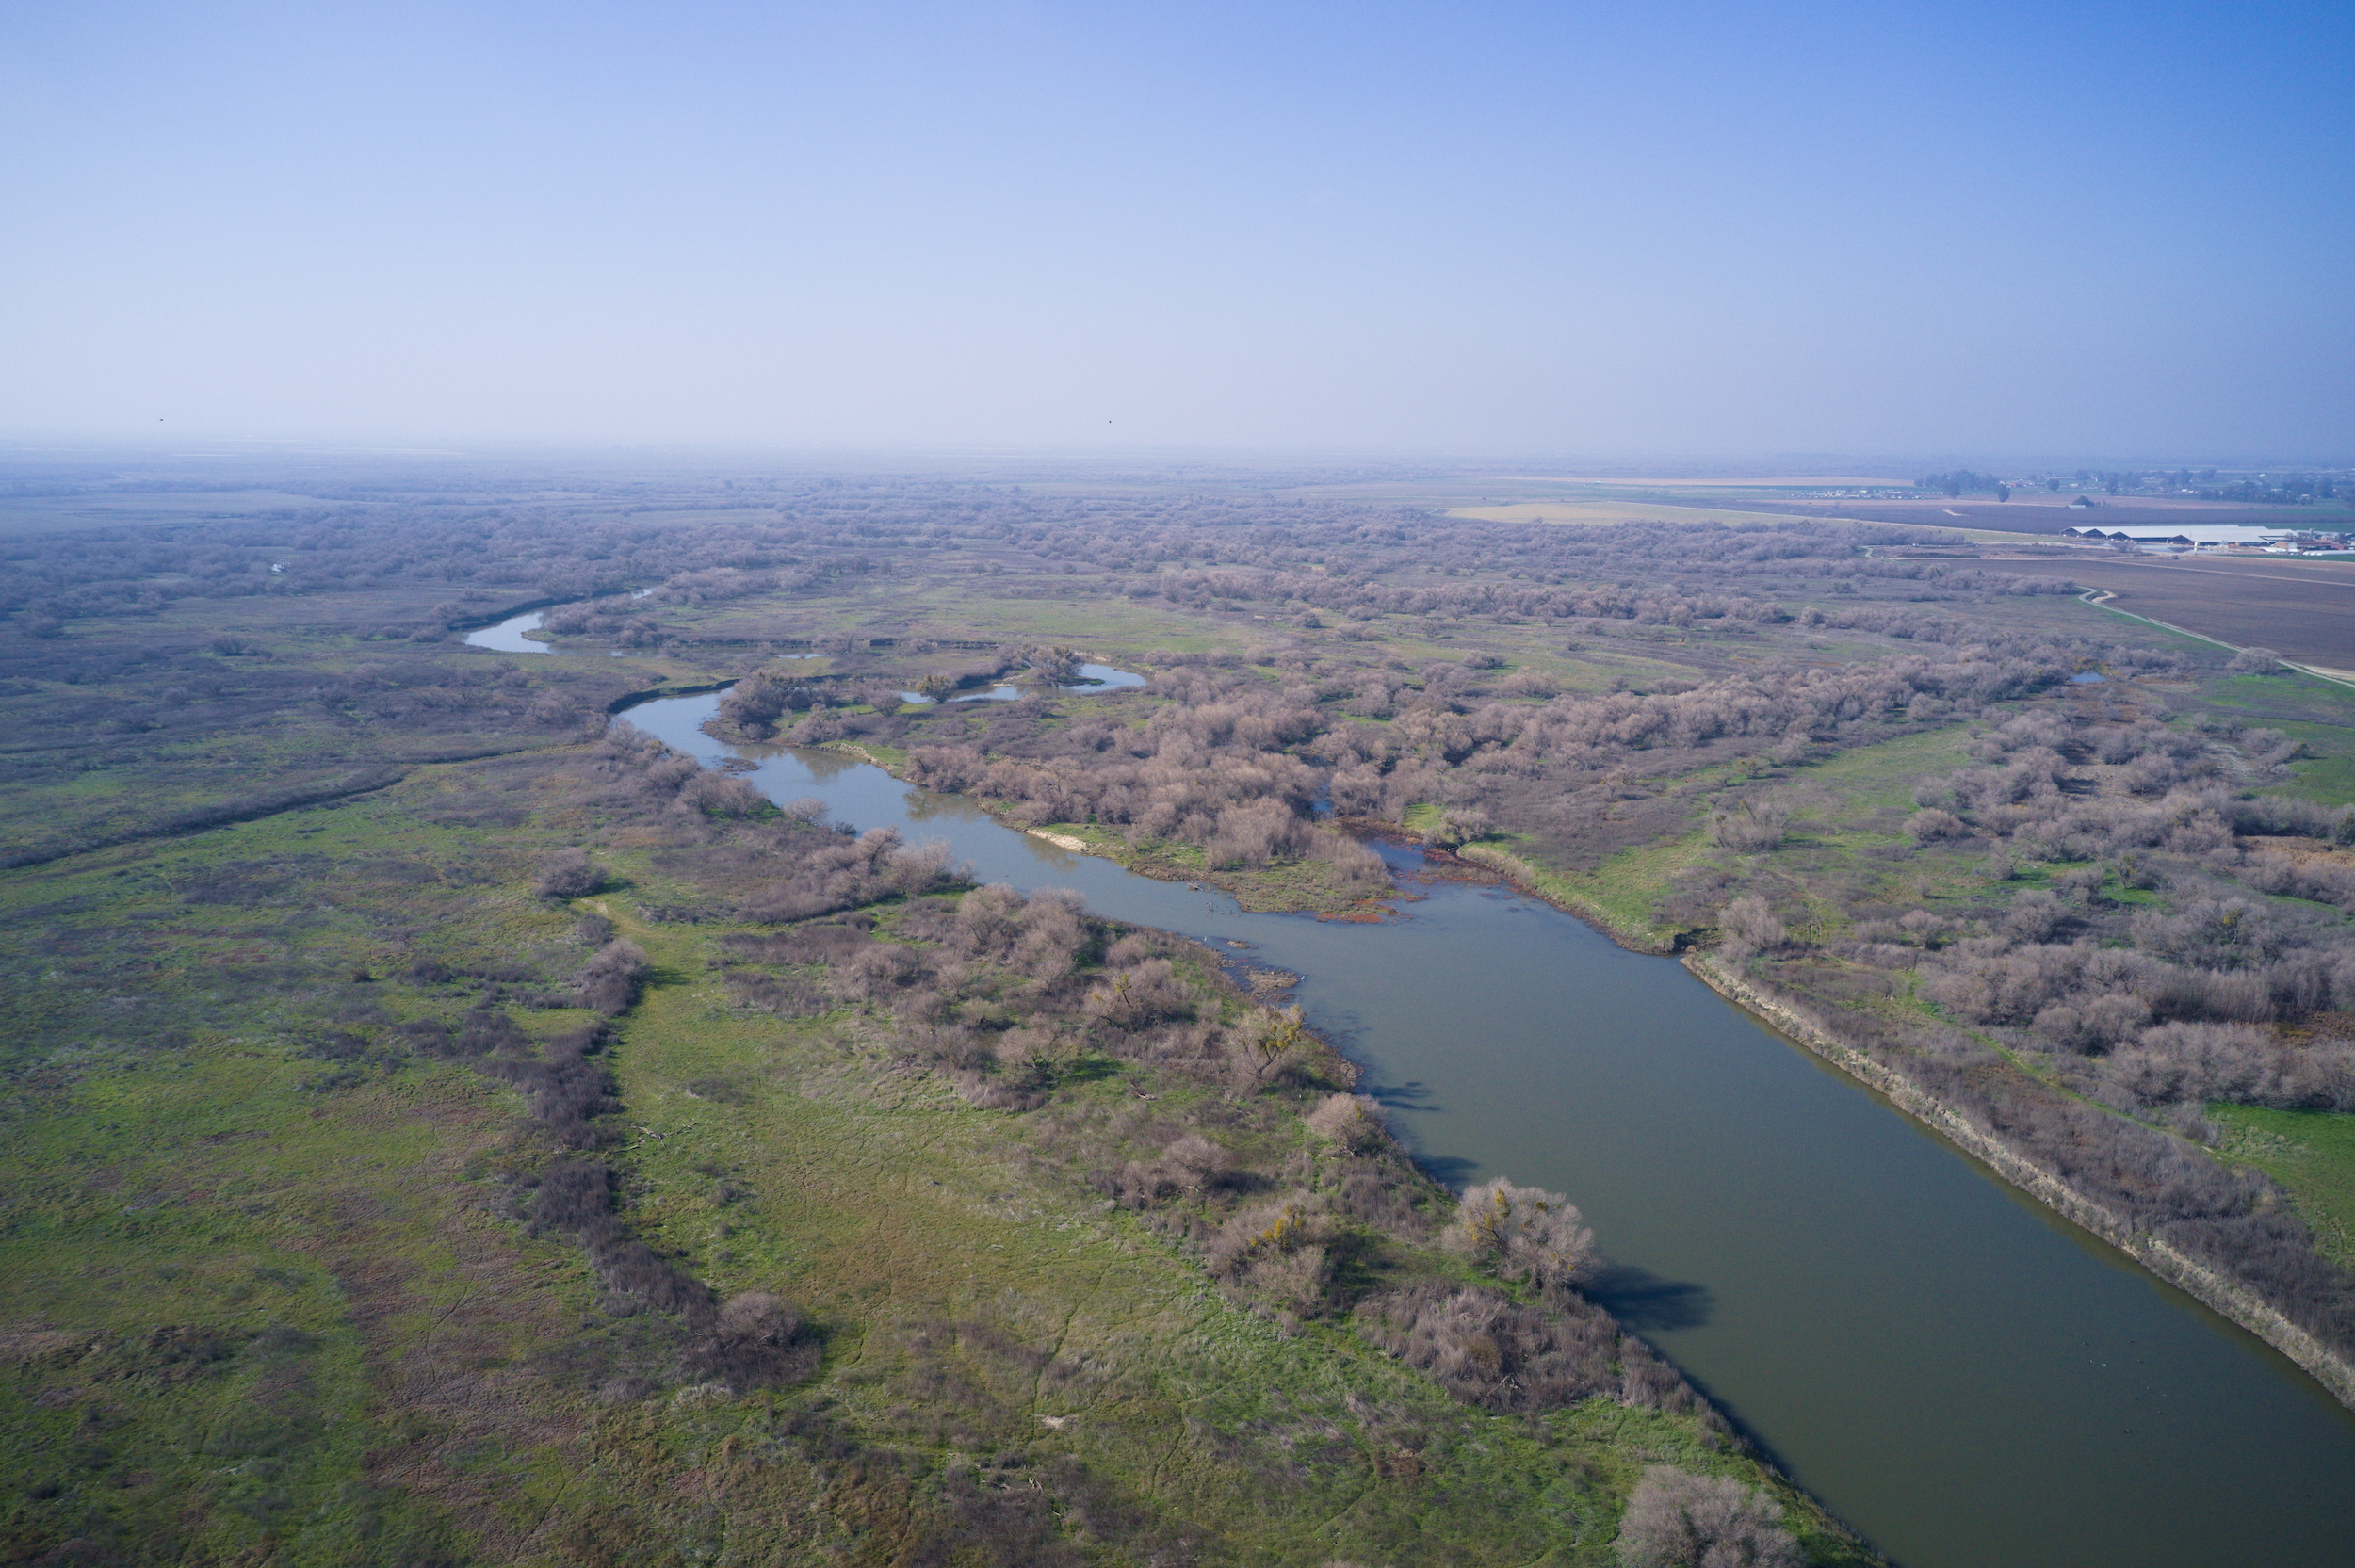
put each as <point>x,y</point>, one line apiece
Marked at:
<point>1851,810</point>
<point>2311,1153</point>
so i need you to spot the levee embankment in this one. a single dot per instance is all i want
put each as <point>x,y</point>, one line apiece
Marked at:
<point>2330,1366</point>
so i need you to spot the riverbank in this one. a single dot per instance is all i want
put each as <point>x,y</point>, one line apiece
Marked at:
<point>1542,884</point>
<point>2334,1370</point>
<point>2327,1366</point>
<point>1304,886</point>
<point>2330,1367</point>
<point>1768,1235</point>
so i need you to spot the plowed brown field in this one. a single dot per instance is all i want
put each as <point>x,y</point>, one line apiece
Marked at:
<point>2306,612</point>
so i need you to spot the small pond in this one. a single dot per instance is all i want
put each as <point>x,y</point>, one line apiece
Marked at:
<point>1093,677</point>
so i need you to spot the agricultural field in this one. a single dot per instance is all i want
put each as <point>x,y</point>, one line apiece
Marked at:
<point>2051,515</point>
<point>2303,611</point>
<point>1576,510</point>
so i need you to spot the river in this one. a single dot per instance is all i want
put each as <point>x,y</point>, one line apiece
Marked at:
<point>507,635</point>
<point>1966,1377</point>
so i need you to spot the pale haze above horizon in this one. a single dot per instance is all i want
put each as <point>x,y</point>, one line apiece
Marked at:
<point>1701,229</point>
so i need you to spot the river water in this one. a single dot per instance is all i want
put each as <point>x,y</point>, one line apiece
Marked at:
<point>1963,1376</point>
<point>507,635</point>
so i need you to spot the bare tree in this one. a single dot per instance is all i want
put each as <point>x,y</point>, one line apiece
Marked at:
<point>1750,924</point>
<point>570,874</point>
<point>1748,825</point>
<point>1524,1233</point>
<point>1679,1520</point>
<point>1053,666</point>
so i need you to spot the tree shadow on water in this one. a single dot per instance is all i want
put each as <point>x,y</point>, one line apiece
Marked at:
<point>1643,1301</point>
<point>1449,1171</point>
<point>1401,1096</point>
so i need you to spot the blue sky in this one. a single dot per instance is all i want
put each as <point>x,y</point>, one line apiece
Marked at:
<point>1697,229</point>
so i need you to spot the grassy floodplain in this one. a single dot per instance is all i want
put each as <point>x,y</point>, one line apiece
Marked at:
<point>263,1293</point>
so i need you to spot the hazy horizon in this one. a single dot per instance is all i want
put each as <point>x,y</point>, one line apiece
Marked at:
<point>983,462</point>
<point>1719,236</point>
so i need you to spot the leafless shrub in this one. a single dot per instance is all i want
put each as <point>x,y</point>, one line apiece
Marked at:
<point>2218,933</point>
<point>988,1090</point>
<point>1930,824</point>
<point>570,874</point>
<point>1493,1353</point>
<point>1676,1519</point>
<point>1281,1250</point>
<point>1255,832</point>
<point>2242,1062</point>
<point>2035,915</point>
<point>611,981</point>
<point>1192,1164</point>
<point>2091,1023</point>
<point>1351,1122</point>
<point>1147,994</point>
<point>718,795</point>
<point>1749,925</point>
<point>816,728</point>
<point>1749,826</point>
<point>754,1340</point>
<point>754,704</point>
<point>845,873</point>
<point>2187,1119</point>
<point>877,972</point>
<point>1356,867</point>
<point>1356,791</point>
<point>566,1091</point>
<point>1460,825</point>
<point>1523,1233</point>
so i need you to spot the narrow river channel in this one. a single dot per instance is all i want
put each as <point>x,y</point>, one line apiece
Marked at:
<point>1966,1377</point>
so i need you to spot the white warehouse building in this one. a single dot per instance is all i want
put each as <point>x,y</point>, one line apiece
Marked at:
<point>2213,536</point>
